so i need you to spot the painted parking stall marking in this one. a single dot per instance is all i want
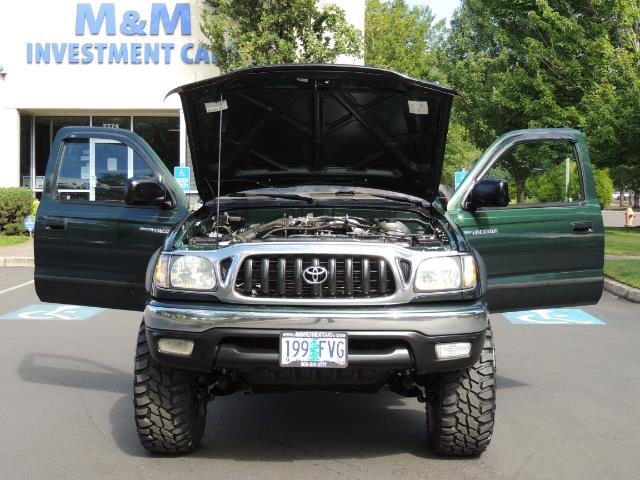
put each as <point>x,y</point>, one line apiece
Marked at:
<point>52,311</point>
<point>553,316</point>
<point>15,287</point>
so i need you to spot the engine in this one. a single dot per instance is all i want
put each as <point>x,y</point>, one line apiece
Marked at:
<point>237,229</point>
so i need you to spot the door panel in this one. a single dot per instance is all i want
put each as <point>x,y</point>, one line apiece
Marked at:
<point>546,251</point>
<point>90,247</point>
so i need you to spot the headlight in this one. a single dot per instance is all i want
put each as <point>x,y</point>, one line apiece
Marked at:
<point>192,273</point>
<point>187,272</point>
<point>446,273</point>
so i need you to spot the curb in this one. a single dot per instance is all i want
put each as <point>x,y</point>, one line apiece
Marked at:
<point>16,261</point>
<point>621,290</point>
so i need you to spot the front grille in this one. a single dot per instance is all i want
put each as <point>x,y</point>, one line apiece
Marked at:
<point>282,276</point>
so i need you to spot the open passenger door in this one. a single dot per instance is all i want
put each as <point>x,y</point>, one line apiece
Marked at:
<point>108,204</point>
<point>544,246</point>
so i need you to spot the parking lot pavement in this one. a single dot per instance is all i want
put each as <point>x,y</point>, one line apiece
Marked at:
<point>615,218</point>
<point>567,407</point>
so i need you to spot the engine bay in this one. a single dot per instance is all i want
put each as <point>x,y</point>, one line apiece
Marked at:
<point>314,224</point>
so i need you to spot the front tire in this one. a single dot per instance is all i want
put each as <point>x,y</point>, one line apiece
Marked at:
<point>170,407</point>
<point>461,411</point>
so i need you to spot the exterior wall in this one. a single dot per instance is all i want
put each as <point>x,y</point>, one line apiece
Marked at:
<point>70,78</point>
<point>66,86</point>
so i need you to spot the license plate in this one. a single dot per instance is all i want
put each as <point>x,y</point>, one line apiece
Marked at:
<point>313,349</point>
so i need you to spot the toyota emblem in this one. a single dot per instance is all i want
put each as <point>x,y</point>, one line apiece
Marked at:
<point>315,275</point>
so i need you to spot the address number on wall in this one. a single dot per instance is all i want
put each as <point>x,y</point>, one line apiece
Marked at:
<point>111,125</point>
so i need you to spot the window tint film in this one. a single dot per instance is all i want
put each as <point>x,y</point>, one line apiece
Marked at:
<point>98,170</point>
<point>541,172</point>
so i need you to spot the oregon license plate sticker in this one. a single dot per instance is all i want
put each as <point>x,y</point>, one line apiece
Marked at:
<point>313,349</point>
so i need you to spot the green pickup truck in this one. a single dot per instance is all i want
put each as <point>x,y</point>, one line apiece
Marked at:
<point>323,256</point>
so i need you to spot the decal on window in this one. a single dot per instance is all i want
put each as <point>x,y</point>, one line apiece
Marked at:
<point>112,164</point>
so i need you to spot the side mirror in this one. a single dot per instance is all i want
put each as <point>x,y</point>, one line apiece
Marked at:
<point>146,191</point>
<point>489,193</point>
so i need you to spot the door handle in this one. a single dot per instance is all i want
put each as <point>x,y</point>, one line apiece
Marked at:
<point>582,227</point>
<point>55,224</point>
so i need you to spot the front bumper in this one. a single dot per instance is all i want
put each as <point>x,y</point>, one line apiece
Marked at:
<point>381,339</point>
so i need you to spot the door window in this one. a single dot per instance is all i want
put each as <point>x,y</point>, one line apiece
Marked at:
<point>45,131</point>
<point>540,173</point>
<point>97,170</point>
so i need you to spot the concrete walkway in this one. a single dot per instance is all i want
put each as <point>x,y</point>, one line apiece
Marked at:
<point>17,255</point>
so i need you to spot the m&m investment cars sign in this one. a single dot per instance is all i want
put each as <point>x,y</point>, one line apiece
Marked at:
<point>132,24</point>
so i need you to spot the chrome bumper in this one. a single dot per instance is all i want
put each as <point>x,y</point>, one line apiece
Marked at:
<point>429,320</point>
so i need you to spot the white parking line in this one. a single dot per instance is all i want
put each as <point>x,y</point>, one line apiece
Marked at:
<point>6,290</point>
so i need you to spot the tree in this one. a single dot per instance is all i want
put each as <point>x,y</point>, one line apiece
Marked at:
<point>612,107</point>
<point>626,177</point>
<point>460,154</point>
<point>403,38</point>
<point>249,32</point>
<point>604,186</point>
<point>549,186</point>
<point>524,64</point>
<point>409,40</point>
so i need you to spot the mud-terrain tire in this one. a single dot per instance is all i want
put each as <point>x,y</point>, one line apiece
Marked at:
<point>461,411</point>
<point>170,409</point>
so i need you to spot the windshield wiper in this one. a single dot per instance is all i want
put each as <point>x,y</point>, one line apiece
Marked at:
<point>285,196</point>
<point>394,198</point>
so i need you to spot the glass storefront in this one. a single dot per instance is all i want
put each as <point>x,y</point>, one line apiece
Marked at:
<point>163,134</point>
<point>25,151</point>
<point>37,134</point>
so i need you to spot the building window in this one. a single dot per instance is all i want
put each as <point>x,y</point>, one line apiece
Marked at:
<point>25,149</point>
<point>112,121</point>
<point>163,134</point>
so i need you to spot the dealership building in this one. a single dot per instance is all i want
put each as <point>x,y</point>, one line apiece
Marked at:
<point>101,64</point>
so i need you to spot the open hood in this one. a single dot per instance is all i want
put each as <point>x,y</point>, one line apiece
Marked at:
<point>287,125</point>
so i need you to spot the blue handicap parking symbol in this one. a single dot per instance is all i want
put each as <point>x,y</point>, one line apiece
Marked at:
<point>183,177</point>
<point>553,316</point>
<point>52,311</point>
<point>29,223</point>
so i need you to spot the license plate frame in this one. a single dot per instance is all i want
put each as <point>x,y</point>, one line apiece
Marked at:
<point>320,354</point>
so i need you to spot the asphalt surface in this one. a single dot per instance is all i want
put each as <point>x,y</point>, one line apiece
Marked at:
<point>567,409</point>
<point>615,218</point>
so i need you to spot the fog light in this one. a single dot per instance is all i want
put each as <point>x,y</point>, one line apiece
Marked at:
<point>175,346</point>
<point>453,350</point>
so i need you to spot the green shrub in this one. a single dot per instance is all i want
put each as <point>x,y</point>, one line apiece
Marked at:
<point>604,186</point>
<point>549,186</point>
<point>13,229</point>
<point>34,207</point>
<point>15,205</point>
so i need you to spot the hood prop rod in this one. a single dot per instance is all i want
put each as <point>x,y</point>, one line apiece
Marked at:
<point>219,167</point>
